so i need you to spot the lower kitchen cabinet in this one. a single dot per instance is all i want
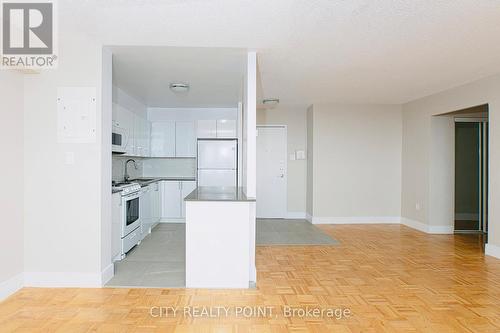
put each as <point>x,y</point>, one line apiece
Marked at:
<point>145,210</point>
<point>116,221</point>
<point>170,194</point>
<point>172,198</point>
<point>156,203</point>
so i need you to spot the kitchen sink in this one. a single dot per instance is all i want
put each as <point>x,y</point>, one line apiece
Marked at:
<point>121,183</point>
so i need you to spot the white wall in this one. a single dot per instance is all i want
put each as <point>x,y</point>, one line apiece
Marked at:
<point>63,203</point>
<point>249,150</point>
<point>442,174</point>
<point>418,189</point>
<point>107,267</point>
<point>249,128</point>
<point>294,117</point>
<point>11,169</point>
<point>310,161</point>
<point>356,163</point>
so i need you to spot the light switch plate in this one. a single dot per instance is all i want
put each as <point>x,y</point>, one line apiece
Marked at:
<point>300,154</point>
<point>70,158</point>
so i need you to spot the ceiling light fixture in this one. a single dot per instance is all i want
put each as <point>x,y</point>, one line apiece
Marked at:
<point>179,87</point>
<point>271,102</point>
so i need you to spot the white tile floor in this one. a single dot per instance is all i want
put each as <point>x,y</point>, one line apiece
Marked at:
<point>290,232</point>
<point>159,261</point>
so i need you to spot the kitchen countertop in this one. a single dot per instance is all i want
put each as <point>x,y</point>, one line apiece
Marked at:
<point>145,181</point>
<point>218,194</point>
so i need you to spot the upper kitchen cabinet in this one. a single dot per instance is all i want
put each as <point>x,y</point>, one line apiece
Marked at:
<point>136,131</point>
<point>173,139</point>
<point>185,139</point>
<point>147,138</point>
<point>222,128</point>
<point>123,119</point>
<point>226,128</point>
<point>142,133</point>
<point>163,139</point>
<point>138,136</point>
<point>206,129</point>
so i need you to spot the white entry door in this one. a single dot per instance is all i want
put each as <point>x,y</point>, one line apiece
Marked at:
<point>271,172</point>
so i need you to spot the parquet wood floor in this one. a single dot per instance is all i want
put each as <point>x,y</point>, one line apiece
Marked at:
<point>391,278</point>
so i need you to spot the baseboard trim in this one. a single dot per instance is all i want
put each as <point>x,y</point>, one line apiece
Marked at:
<point>438,230</point>
<point>492,250</point>
<point>441,229</point>
<point>414,224</point>
<point>356,220</point>
<point>62,279</point>
<point>296,215</point>
<point>107,274</point>
<point>11,286</point>
<point>428,229</point>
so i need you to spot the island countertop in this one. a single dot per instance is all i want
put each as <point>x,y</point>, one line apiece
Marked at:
<point>208,193</point>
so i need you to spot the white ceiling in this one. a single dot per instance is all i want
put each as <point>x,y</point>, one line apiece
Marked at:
<point>215,76</point>
<point>310,51</point>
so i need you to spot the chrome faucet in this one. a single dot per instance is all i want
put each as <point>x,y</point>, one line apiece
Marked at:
<point>126,176</point>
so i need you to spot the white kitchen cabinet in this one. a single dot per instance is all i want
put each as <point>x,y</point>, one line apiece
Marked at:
<point>206,129</point>
<point>185,139</point>
<point>222,128</point>
<point>124,119</point>
<point>156,203</point>
<point>142,134</point>
<point>170,199</point>
<point>138,143</point>
<point>115,115</point>
<point>137,129</point>
<point>116,221</point>
<point>226,128</point>
<point>147,138</point>
<point>186,188</point>
<point>145,210</point>
<point>163,139</point>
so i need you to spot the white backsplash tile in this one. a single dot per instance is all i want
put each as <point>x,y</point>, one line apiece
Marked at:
<point>118,171</point>
<point>169,167</point>
<point>154,167</point>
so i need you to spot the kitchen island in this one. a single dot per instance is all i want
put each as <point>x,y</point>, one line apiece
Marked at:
<point>220,238</point>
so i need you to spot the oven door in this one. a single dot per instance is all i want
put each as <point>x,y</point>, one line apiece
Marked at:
<point>131,220</point>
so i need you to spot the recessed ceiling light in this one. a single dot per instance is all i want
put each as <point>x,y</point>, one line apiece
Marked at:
<point>179,87</point>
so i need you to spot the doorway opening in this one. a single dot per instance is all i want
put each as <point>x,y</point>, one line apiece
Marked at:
<point>471,171</point>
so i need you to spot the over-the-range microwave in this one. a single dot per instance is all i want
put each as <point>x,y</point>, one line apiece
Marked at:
<point>119,139</point>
